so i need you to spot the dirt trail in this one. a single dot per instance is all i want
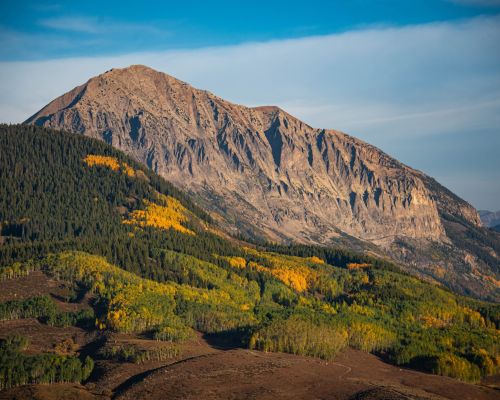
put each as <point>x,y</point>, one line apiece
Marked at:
<point>130,382</point>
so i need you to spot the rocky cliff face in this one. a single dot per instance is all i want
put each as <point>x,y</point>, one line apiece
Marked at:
<point>266,172</point>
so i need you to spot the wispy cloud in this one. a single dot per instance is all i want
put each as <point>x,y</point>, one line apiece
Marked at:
<point>96,25</point>
<point>413,91</point>
<point>34,45</point>
<point>393,115</point>
<point>73,35</point>
<point>75,24</point>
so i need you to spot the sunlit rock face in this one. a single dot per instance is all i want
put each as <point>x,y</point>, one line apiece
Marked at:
<point>268,174</point>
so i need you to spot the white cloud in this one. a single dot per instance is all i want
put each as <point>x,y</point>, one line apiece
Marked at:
<point>387,85</point>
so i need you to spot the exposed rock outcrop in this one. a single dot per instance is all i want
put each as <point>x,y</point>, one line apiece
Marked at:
<point>268,173</point>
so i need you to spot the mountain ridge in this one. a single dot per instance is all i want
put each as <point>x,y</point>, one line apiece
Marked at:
<point>269,115</point>
<point>490,219</point>
<point>271,175</point>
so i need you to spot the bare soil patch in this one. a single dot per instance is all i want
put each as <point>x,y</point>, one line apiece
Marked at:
<point>58,391</point>
<point>38,284</point>
<point>245,374</point>
<point>44,338</point>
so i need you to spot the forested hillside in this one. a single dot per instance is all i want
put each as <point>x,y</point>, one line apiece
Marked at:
<point>270,175</point>
<point>150,262</point>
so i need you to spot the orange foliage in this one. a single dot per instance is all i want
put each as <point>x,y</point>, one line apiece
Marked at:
<point>432,322</point>
<point>473,318</point>
<point>295,272</point>
<point>110,162</point>
<point>128,170</point>
<point>292,271</point>
<point>293,278</point>
<point>437,317</point>
<point>358,266</point>
<point>237,262</point>
<point>172,214</point>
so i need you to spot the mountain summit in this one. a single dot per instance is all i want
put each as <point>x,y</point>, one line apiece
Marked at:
<point>270,175</point>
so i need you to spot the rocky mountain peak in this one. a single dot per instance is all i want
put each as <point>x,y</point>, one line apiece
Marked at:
<point>266,172</point>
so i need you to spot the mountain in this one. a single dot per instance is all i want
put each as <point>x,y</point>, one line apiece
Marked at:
<point>111,276</point>
<point>490,218</point>
<point>271,176</point>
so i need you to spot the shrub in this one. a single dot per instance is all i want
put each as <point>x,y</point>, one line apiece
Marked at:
<point>298,336</point>
<point>487,364</point>
<point>34,307</point>
<point>82,318</point>
<point>369,337</point>
<point>20,369</point>
<point>133,354</point>
<point>448,364</point>
<point>177,333</point>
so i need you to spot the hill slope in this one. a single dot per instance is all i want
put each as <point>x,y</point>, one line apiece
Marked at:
<point>131,255</point>
<point>272,176</point>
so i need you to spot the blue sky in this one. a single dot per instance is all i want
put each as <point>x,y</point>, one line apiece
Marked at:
<point>419,79</point>
<point>38,30</point>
